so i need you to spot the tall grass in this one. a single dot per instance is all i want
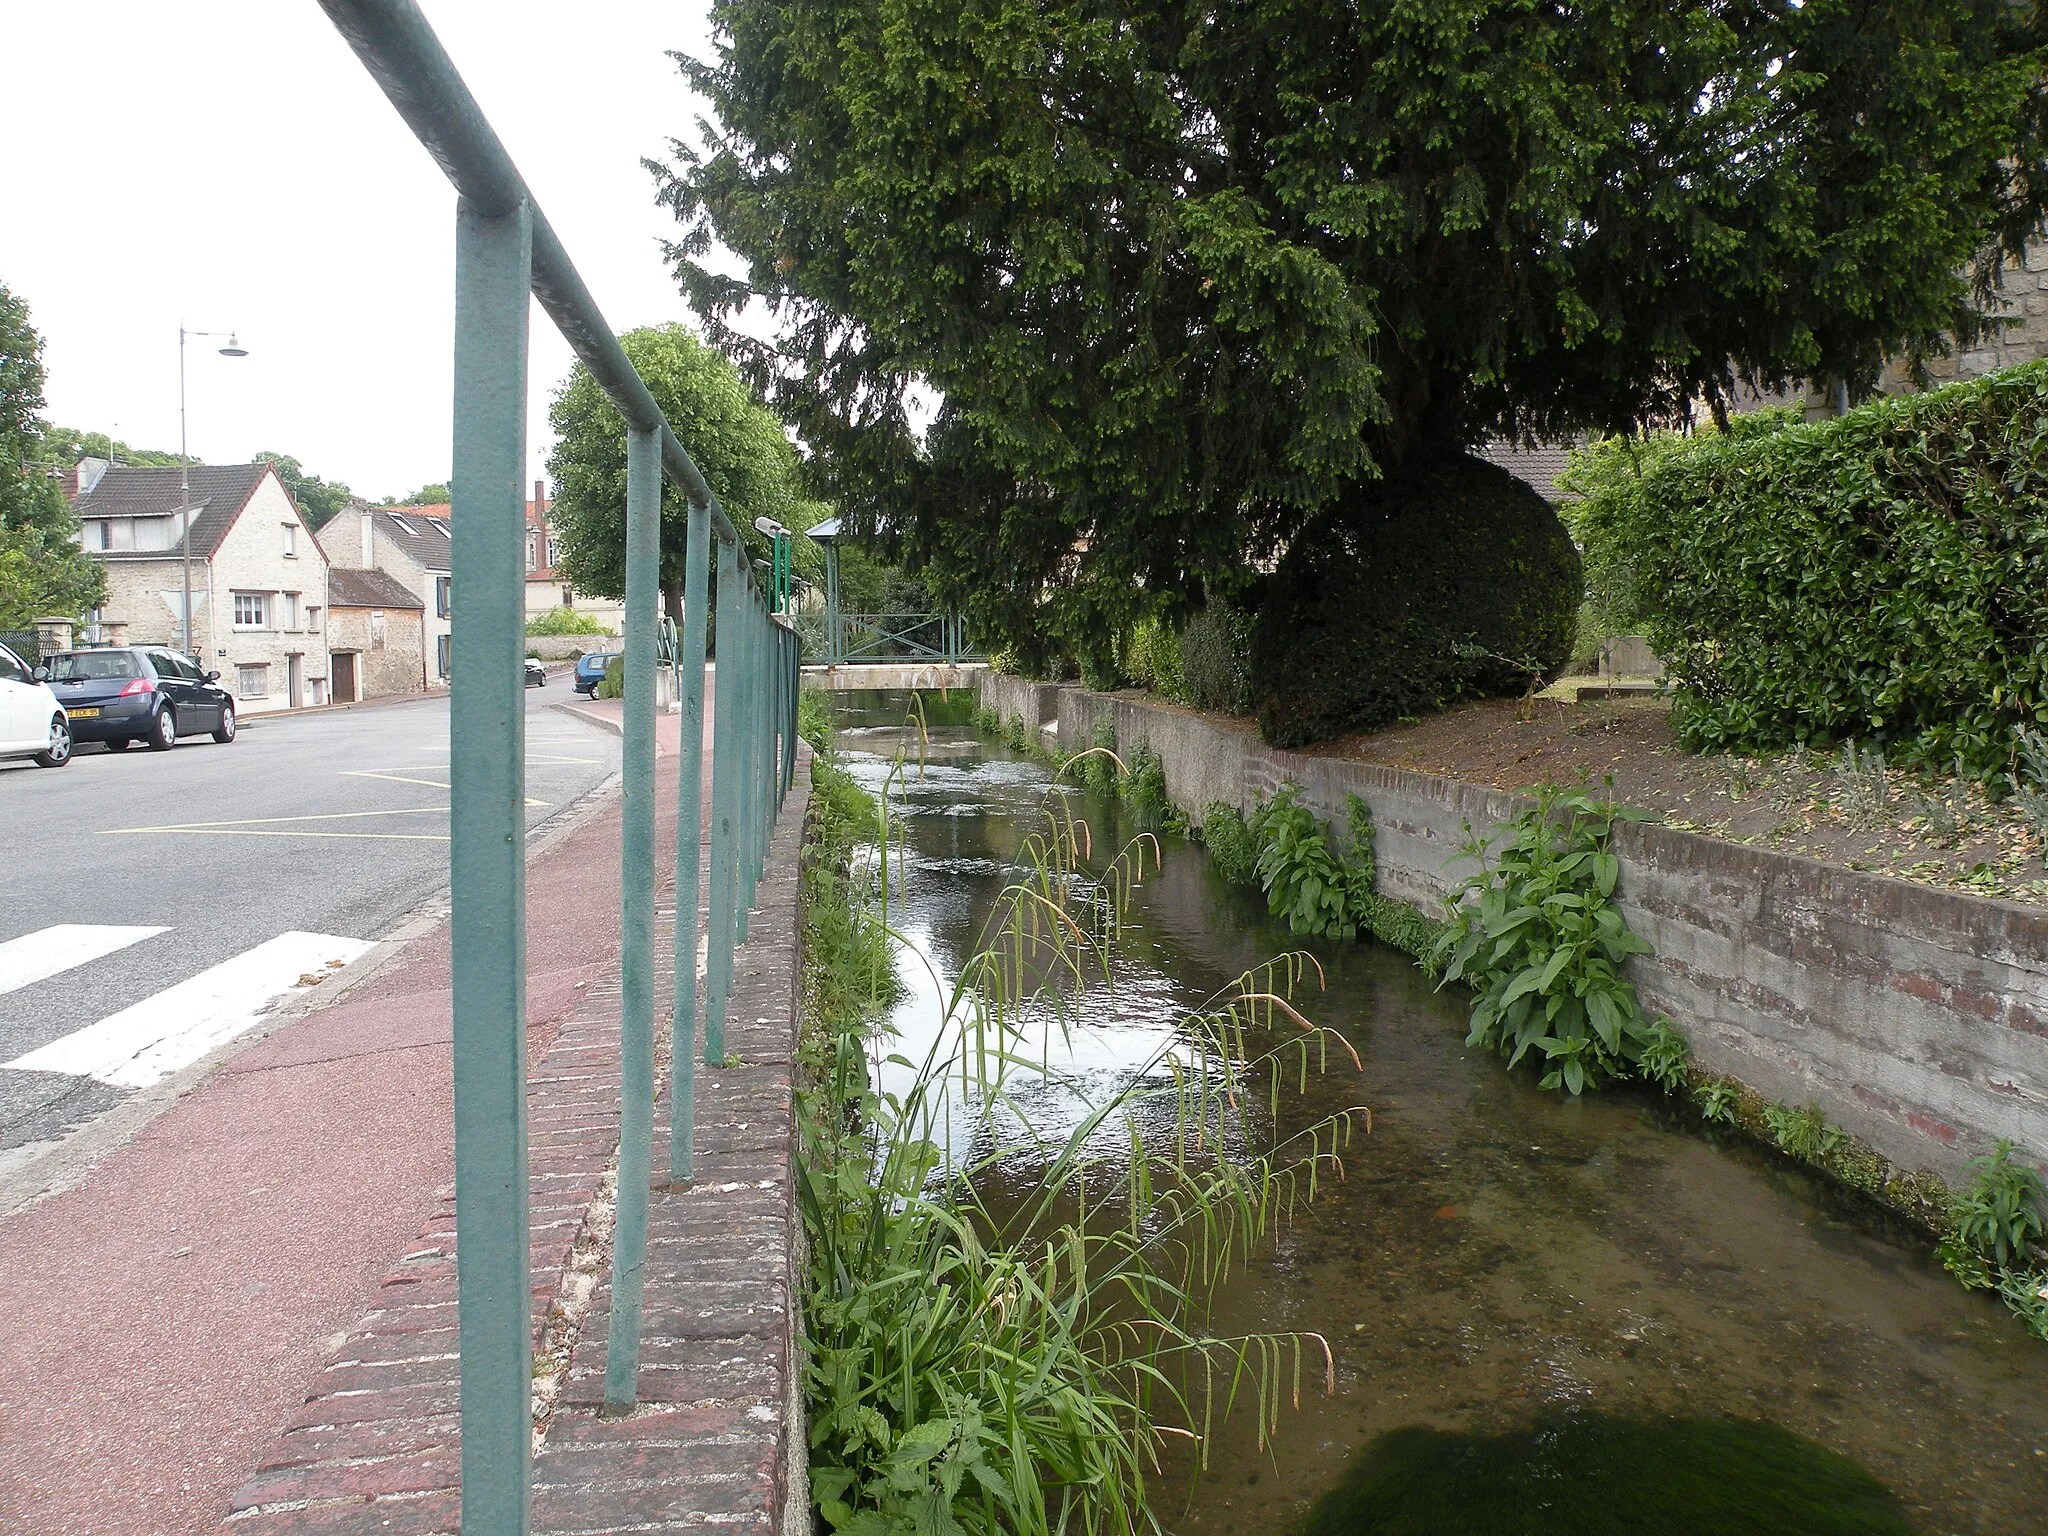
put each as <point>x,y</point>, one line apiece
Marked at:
<point>1006,1323</point>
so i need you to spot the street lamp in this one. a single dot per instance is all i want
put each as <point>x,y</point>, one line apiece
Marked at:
<point>233,349</point>
<point>779,548</point>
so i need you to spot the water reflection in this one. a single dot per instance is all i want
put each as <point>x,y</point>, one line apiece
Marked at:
<point>1495,1254</point>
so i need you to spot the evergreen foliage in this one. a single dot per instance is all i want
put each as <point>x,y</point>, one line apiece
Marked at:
<point>1460,582</point>
<point>1881,577</point>
<point>1182,277</point>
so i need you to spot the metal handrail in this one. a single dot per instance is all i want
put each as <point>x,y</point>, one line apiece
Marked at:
<point>506,250</point>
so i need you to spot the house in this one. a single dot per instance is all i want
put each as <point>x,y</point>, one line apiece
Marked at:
<point>258,578</point>
<point>547,587</point>
<point>376,636</point>
<point>413,545</point>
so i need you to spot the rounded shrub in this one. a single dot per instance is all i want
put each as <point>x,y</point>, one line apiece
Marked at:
<point>1455,582</point>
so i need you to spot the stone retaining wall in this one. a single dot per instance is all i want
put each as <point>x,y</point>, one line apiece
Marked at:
<point>1915,1018</point>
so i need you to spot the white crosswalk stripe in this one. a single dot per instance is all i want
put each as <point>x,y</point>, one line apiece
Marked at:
<point>47,952</point>
<point>147,1042</point>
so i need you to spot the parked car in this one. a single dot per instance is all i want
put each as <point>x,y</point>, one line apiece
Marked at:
<point>536,674</point>
<point>590,671</point>
<point>32,721</point>
<point>129,693</point>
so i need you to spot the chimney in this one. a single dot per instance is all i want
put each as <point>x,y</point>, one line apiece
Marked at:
<point>369,542</point>
<point>540,501</point>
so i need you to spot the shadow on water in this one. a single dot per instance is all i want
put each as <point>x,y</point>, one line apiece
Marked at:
<point>1497,1258</point>
<point>1589,1474</point>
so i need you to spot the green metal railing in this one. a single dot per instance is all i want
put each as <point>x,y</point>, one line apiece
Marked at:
<point>504,251</point>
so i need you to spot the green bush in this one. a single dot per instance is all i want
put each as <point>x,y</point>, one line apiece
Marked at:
<point>613,684</point>
<point>1881,577</point>
<point>1151,660</point>
<point>1228,837</point>
<point>1215,659</point>
<point>564,621</point>
<point>1458,582</point>
<point>1604,475</point>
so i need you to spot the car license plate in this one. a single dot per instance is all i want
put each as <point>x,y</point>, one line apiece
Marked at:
<point>82,714</point>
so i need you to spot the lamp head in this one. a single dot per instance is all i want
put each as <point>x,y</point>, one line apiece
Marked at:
<point>234,348</point>
<point>769,526</point>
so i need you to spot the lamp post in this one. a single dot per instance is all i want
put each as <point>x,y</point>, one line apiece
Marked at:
<point>233,349</point>
<point>779,569</point>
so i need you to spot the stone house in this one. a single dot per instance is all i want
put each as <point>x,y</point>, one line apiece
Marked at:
<point>259,579</point>
<point>548,587</point>
<point>413,545</point>
<point>376,636</point>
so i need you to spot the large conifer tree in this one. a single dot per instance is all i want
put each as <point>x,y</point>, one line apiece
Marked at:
<point>1182,274</point>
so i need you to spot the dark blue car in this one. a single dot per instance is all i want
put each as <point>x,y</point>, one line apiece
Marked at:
<point>590,670</point>
<point>123,694</point>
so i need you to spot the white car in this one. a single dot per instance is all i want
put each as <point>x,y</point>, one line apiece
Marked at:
<point>32,722</point>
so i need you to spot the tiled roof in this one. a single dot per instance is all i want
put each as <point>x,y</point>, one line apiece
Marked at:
<point>420,532</point>
<point>136,490</point>
<point>1539,467</point>
<point>368,589</point>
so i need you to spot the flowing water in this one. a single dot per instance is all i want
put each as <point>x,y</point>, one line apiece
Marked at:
<point>1507,1274</point>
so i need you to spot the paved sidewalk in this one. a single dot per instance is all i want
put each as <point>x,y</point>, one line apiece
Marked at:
<point>169,1311</point>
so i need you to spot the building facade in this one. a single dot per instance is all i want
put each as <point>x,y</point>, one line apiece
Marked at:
<point>412,545</point>
<point>376,637</point>
<point>258,578</point>
<point>547,586</point>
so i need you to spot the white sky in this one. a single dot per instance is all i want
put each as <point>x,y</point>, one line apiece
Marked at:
<point>228,163</point>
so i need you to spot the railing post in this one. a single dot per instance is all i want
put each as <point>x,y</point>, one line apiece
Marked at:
<point>487,867</point>
<point>725,747</point>
<point>749,760</point>
<point>636,921</point>
<point>682,1120</point>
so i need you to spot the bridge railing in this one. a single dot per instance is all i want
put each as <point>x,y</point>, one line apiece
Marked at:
<point>504,251</point>
<point>850,637</point>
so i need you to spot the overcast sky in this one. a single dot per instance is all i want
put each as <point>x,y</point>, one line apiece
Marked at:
<point>229,164</point>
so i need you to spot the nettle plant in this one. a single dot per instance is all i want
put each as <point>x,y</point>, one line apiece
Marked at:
<point>1538,937</point>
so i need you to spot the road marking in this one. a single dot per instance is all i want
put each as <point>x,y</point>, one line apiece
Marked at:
<point>36,956</point>
<point>146,1043</point>
<point>368,773</point>
<point>365,837</point>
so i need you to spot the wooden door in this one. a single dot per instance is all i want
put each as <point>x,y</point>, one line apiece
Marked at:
<point>344,677</point>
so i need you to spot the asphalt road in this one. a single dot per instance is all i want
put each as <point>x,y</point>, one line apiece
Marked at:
<point>284,852</point>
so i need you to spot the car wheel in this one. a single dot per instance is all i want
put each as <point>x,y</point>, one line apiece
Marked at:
<point>119,744</point>
<point>226,732</point>
<point>59,752</point>
<point>163,731</point>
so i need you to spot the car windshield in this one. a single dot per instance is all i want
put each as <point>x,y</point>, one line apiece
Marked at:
<point>88,666</point>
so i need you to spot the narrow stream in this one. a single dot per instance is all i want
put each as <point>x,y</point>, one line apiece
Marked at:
<point>1499,1260</point>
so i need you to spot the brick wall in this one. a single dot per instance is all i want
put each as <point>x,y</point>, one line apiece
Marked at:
<point>1916,1018</point>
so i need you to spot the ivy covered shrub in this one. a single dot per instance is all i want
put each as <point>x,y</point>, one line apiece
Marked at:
<point>1215,659</point>
<point>1413,594</point>
<point>1882,576</point>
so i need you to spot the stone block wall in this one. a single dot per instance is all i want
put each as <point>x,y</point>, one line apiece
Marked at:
<point>1915,1018</point>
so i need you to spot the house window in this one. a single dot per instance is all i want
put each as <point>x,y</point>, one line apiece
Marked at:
<point>253,682</point>
<point>291,541</point>
<point>252,610</point>
<point>106,532</point>
<point>313,618</point>
<point>441,655</point>
<point>291,610</point>
<point>403,526</point>
<point>554,556</point>
<point>441,598</point>
<point>530,543</point>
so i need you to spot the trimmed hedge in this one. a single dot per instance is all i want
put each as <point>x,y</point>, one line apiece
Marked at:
<point>1458,582</point>
<point>1881,577</point>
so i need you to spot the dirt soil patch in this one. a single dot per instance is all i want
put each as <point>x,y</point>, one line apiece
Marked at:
<point>1845,808</point>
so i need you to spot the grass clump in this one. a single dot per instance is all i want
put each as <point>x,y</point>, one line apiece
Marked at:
<point>1012,1363</point>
